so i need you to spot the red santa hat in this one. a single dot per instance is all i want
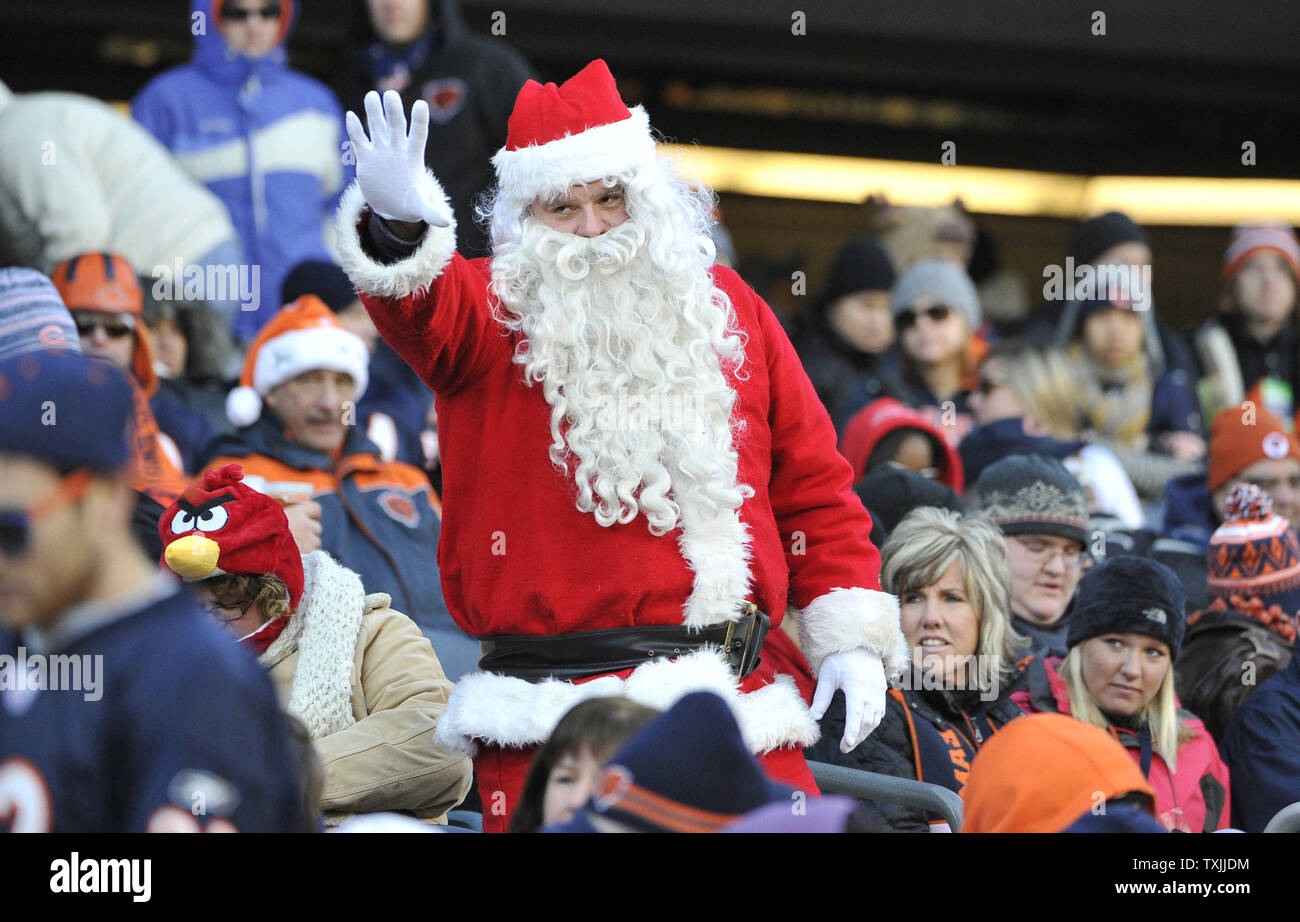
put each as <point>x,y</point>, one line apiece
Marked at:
<point>304,336</point>
<point>571,134</point>
<point>221,526</point>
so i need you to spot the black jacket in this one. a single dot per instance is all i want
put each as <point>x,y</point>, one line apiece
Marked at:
<point>470,83</point>
<point>920,723</point>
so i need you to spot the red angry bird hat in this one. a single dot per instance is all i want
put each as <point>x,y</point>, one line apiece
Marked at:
<point>222,526</point>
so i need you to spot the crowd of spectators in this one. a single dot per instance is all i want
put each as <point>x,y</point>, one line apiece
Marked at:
<point>1087,515</point>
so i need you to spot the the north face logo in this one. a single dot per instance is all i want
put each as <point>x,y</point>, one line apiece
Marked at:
<point>1155,614</point>
<point>446,97</point>
<point>400,508</point>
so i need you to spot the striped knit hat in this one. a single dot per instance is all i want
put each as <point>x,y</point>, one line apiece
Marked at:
<point>32,315</point>
<point>1249,239</point>
<point>1254,553</point>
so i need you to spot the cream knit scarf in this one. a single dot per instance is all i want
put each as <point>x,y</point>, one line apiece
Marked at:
<point>323,629</point>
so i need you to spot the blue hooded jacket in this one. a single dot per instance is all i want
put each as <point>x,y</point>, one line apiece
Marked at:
<point>266,140</point>
<point>1262,750</point>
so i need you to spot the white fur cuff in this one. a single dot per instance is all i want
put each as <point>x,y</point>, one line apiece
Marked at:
<point>502,711</point>
<point>399,279</point>
<point>850,619</point>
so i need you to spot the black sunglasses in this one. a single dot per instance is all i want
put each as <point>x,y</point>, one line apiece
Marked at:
<point>937,314</point>
<point>111,330</point>
<point>240,13</point>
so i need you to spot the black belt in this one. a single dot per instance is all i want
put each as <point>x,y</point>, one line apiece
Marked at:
<point>582,654</point>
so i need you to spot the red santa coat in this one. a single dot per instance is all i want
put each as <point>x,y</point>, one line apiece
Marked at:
<point>517,557</point>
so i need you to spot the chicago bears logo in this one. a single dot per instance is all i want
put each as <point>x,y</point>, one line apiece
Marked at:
<point>400,508</point>
<point>614,783</point>
<point>445,96</point>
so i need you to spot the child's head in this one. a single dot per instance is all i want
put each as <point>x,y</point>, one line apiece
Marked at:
<point>565,769</point>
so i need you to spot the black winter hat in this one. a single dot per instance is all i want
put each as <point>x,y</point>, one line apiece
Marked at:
<point>325,280</point>
<point>1032,495</point>
<point>890,493</point>
<point>1091,238</point>
<point>1130,595</point>
<point>861,265</point>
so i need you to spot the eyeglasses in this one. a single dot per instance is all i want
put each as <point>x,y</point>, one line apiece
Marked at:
<point>218,611</point>
<point>16,524</point>
<point>113,329</point>
<point>1040,553</point>
<point>240,13</point>
<point>908,317</point>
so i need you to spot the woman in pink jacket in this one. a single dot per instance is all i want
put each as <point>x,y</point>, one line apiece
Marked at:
<point>1125,633</point>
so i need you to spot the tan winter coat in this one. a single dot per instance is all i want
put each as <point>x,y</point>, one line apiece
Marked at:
<point>370,689</point>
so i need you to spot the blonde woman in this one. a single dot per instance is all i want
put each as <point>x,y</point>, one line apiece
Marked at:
<point>950,575</point>
<point>1125,633</point>
<point>1027,400</point>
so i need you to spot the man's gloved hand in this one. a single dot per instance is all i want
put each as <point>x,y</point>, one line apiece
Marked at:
<point>390,163</point>
<point>862,677</point>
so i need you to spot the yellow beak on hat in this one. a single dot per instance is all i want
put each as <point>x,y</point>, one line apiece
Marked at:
<point>193,556</point>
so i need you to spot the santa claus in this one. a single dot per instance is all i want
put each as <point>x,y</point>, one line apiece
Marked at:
<point>638,475</point>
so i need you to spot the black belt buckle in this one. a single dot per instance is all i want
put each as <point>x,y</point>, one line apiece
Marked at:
<point>744,640</point>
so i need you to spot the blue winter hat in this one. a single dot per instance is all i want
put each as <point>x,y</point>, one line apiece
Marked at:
<point>66,409</point>
<point>32,315</point>
<point>688,770</point>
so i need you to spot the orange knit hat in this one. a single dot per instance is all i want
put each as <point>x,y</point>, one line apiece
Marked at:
<point>1239,438</point>
<point>304,336</point>
<point>105,282</point>
<point>1042,772</point>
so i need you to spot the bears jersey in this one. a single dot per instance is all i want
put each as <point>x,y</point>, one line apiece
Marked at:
<point>170,727</point>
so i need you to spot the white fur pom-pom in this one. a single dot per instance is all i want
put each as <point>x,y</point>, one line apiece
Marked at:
<point>243,406</point>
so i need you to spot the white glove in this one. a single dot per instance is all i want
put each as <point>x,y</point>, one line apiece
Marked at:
<point>390,163</point>
<point>862,677</point>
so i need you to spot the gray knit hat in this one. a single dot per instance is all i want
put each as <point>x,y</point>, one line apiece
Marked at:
<point>1032,495</point>
<point>945,282</point>
<point>32,315</point>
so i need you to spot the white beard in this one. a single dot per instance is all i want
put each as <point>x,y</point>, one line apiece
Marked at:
<point>630,361</point>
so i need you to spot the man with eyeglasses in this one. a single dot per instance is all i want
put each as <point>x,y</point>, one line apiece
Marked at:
<point>1040,509</point>
<point>122,708</point>
<point>267,140</point>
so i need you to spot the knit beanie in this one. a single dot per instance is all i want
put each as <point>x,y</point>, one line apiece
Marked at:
<point>1254,553</point>
<point>1130,595</point>
<point>1032,495</point>
<point>106,284</point>
<point>943,281</point>
<point>890,493</point>
<point>1238,441</point>
<point>304,336</point>
<point>32,315</point>
<point>325,280</point>
<point>1089,239</point>
<point>1249,239</point>
<point>861,265</point>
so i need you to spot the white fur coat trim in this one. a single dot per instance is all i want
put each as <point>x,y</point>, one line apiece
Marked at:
<point>399,279</point>
<point>849,619</point>
<point>503,711</point>
<point>323,629</point>
<point>716,548</point>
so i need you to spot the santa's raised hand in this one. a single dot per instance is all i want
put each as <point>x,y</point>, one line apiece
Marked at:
<point>390,162</point>
<point>861,676</point>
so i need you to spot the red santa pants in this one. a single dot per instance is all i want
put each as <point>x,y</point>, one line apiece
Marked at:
<point>502,772</point>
